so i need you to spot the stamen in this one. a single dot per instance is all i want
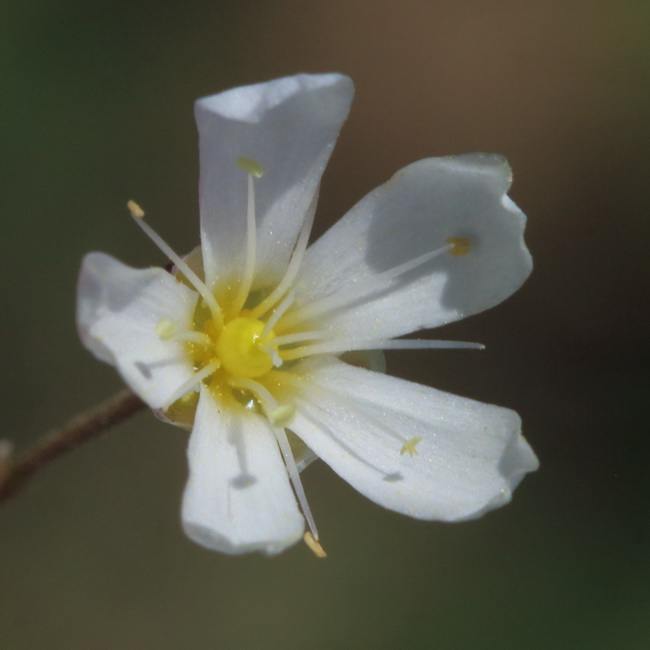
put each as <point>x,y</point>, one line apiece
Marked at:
<point>277,314</point>
<point>425,344</point>
<point>460,245</point>
<point>336,347</point>
<point>410,447</point>
<point>369,285</point>
<point>251,247</point>
<point>168,331</point>
<point>251,166</point>
<point>313,545</point>
<point>294,264</point>
<point>137,213</point>
<point>192,382</point>
<point>282,416</point>
<point>294,475</point>
<point>165,329</point>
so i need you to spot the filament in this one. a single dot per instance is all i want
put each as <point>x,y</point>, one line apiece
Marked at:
<point>367,285</point>
<point>294,475</point>
<point>192,382</point>
<point>277,314</point>
<point>336,347</point>
<point>294,264</point>
<point>251,251</point>
<point>179,262</point>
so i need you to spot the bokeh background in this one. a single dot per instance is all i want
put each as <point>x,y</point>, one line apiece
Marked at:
<point>96,108</point>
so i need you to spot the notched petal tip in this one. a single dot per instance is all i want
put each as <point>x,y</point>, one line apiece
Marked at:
<point>250,103</point>
<point>426,204</point>
<point>94,269</point>
<point>238,498</point>
<point>492,165</point>
<point>289,127</point>
<point>412,449</point>
<point>118,311</point>
<point>214,541</point>
<point>518,460</point>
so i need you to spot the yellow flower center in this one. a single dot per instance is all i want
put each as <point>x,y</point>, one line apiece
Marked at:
<point>242,350</point>
<point>232,343</point>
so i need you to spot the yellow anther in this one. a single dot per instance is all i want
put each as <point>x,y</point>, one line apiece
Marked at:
<point>460,245</point>
<point>282,415</point>
<point>165,329</point>
<point>240,348</point>
<point>409,447</point>
<point>136,211</point>
<point>313,545</point>
<point>251,166</point>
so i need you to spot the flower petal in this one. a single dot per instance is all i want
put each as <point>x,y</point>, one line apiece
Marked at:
<point>289,126</point>
<point>238,498</point>
<point>410,448</point>
<point>414,213</point>
<point>118,309</point>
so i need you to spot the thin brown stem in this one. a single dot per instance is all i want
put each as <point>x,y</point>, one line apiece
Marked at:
<point>16,471</point>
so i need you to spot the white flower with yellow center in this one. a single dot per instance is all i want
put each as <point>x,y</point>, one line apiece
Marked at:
<point>254,340</point>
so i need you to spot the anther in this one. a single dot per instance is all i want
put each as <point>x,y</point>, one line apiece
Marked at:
<point>313,545</point>
<point>459,245</point>
<point>165,329</point>
<point>282,415</point>
<point>409,447</point>
<point>136,211</point>
<point>251,166</point>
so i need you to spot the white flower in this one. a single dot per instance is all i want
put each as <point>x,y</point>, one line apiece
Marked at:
<point>246,348</point>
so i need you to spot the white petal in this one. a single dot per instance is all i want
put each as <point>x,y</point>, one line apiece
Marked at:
<point>469,459</point>
<point>412,214</point>
<point>238,498</point>
<point>118,309</point>
<point>289,126</point>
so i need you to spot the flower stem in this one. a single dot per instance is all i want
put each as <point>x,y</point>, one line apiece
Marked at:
<point>16,471</point>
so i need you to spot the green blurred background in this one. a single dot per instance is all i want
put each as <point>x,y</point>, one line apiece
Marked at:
<point>96,108</point>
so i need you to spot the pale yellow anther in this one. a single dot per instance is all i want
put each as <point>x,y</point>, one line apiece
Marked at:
<point>313,545</point>
<point>409,447</point>
<point>251,166</point>
<point>165,329</point>
<point>136,211</point>
<point>282,415</point>
<point>459,245</point>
